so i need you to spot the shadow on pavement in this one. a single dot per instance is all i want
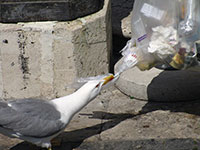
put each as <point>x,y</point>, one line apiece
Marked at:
<point>74,139</point>
<point>191,107</point>
<point>146,144</point>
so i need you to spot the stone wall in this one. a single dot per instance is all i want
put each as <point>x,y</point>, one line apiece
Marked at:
<point>40,59</point>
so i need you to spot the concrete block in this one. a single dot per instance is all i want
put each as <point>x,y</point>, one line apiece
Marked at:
<point>160,85</point>
<point>39,59</point>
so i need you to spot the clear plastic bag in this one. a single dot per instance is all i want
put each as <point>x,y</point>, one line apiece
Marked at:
<point>164,32</point>
<point>110,78</point>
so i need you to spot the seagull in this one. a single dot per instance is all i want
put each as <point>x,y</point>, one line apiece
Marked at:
<point>38,121</point>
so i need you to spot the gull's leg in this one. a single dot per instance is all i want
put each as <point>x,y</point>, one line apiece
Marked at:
<point>50,148</point>
<point>56,141</point>
<point>47,145</point>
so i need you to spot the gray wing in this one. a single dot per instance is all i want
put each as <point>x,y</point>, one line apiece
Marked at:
<point>29,117</point>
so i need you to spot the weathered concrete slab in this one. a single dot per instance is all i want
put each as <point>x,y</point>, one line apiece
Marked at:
<point>47,10</point>
<point>114,121</point>
<point>40,59</point>
<point>160,85</point>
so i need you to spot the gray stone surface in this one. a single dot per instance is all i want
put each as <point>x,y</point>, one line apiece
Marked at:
<point>39,59</point>
<point>46,10</point>
<point>121,17</point>
<point>114,121</point>
<point>160,85</point>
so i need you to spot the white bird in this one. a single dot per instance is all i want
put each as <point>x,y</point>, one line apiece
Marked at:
<point>39,121</point>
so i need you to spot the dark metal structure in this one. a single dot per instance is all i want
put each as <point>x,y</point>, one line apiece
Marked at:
<point>46,10</point>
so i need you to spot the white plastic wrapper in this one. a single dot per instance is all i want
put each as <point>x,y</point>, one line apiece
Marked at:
<point>81,81</point>
<point>163,41</point>
<point>163,32</point>
<point>129,61</point>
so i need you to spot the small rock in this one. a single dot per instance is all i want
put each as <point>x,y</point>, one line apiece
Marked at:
<point>114,92</point>
<point>12,64</point>
<point>138,146</point>
<point>146,126</point>
<point>139,131</point>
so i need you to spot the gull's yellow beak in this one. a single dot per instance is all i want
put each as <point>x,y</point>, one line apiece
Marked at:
<point>107,79</point>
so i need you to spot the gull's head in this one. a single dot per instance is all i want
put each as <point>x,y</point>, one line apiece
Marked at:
<point>93,87</point>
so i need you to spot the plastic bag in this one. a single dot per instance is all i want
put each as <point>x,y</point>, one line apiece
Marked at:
<point>163,32</point>
<point>81,81</point>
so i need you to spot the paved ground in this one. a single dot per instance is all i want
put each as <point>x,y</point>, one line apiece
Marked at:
<point>114,121</point>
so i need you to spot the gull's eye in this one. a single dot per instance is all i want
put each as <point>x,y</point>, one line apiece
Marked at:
<point>97,85</point>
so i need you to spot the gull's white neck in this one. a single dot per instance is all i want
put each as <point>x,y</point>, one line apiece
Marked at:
<point>71,104</point>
